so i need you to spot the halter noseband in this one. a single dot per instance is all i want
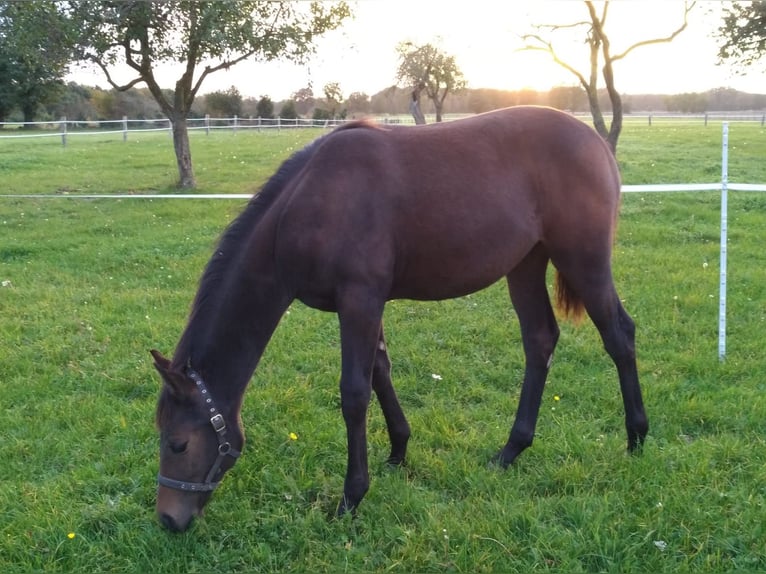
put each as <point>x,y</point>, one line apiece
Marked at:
<point>224,446</point>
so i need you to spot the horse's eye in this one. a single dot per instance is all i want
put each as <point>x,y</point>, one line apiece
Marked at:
<point>178,448</point>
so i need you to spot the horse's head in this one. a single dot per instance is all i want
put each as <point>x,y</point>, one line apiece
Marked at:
<point>198,444</point>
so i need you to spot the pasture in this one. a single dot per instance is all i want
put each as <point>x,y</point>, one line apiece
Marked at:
<point>88,286</point>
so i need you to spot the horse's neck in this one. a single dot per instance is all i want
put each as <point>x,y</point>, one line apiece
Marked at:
<point>231,336</point>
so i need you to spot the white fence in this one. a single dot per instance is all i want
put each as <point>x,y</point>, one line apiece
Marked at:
<point>65,128</point>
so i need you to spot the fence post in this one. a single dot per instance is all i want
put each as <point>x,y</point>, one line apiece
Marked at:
<point>124,128</point>
<point>63,131</point>
<point>235,124</point>
<point>705,119</point>
<point>763,119</point>
<point>279,124</point>
<point>207,124</point>
<point>724,232</point>
<point>650,119</point>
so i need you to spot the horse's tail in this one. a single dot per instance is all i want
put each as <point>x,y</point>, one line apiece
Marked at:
<point>567,301</point>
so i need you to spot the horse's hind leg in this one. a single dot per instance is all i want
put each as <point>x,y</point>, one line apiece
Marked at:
<point>539,333</point>
<point>595,286</point>
<point>617,331</point>
<point>398,428</point>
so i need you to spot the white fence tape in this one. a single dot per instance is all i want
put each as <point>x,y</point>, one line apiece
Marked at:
<point>641,188</point>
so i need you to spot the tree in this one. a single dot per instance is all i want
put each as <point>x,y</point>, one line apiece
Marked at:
<point>35,50</point>
<point>600,48</point>
<point>288,112</point>
<point>358,103</point>
<point>74,102</point>
<point>569,98</point>
<point>333,98</point>
<point>688,103</point>
<point>743,33</point>
<point>303,100</point>
<point>265,108</point>
<point>193,33</point>
<point>225,104</point>
<point>428,69</point>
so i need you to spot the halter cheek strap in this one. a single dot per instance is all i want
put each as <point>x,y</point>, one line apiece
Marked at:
<point>224,446</point>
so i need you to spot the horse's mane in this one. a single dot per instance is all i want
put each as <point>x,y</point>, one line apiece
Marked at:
<point>215,277</point>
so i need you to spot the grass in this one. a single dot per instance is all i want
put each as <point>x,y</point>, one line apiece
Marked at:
<point>94,284</point>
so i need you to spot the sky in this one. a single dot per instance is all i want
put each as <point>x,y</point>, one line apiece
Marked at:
<point>485,38</point>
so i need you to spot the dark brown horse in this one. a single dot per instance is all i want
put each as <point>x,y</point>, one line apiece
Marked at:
<point>367,214</point>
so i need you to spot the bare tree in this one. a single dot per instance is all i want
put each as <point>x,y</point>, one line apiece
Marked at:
<point>599,44</point>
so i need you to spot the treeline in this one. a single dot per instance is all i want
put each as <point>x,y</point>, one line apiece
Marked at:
<point>91,104</point>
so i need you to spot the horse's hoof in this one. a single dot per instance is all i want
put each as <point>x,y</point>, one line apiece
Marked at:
<point>498,461</point>
<point>504,459</point>
<point>636,448</point>
<point>636,441</point>
<point>344,508</point>
<point>395,461</point>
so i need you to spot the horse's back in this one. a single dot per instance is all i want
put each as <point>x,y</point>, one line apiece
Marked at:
<point>446,209</point>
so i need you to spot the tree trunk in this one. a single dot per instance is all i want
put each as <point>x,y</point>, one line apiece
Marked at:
<point>183,152</point>
<point>28,111</point>
<point>415,110</point>
<point>614,96</point>
<point>595,110</point>
<point>616,128</point>
<point>438,106</point>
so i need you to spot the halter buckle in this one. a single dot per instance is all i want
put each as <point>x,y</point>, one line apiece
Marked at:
<point>218,423</point>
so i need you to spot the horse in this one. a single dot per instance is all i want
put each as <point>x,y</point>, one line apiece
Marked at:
<point>366,214</point>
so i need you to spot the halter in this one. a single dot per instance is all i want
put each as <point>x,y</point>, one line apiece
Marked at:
<point>224,446</point>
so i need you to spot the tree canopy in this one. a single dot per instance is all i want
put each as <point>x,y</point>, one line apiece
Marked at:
<point>742,34</point>
<point>225,104</point>
<point>35,50</point>
<point>202,37</point>
<point>428,69</point>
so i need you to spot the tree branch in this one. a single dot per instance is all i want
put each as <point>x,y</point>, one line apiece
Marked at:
<point>548,47</point>
<point>222,66</point>
<point>687,8</point>
<point>226,64</point>
<point>115,85</point>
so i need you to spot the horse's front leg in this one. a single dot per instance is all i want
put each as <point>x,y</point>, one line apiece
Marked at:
<point>359,317</point>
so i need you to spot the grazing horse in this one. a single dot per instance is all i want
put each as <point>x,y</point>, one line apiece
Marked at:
<point>366,214</point>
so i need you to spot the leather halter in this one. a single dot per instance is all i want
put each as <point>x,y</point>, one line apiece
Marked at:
<point>224,446</point>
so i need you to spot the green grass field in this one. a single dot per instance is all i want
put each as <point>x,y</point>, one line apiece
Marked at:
<point>88,286</point>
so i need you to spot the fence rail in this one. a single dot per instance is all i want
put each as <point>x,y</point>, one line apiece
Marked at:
<point>65,128</point>
<point>722,186</point>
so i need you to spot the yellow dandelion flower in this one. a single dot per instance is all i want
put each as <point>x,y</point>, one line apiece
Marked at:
<point>71,535</point>
<point>293,436</point>
<point>556,398</point>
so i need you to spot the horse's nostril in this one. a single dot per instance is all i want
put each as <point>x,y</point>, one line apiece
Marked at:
<point>170,523</point>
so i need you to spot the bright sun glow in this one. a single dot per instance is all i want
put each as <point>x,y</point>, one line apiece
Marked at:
<point>485,38</point>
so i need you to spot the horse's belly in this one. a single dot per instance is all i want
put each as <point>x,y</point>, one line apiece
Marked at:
<point>456,271</point>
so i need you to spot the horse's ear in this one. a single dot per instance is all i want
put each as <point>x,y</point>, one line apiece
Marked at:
<point>160,362</point>
<point>172,378</point>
